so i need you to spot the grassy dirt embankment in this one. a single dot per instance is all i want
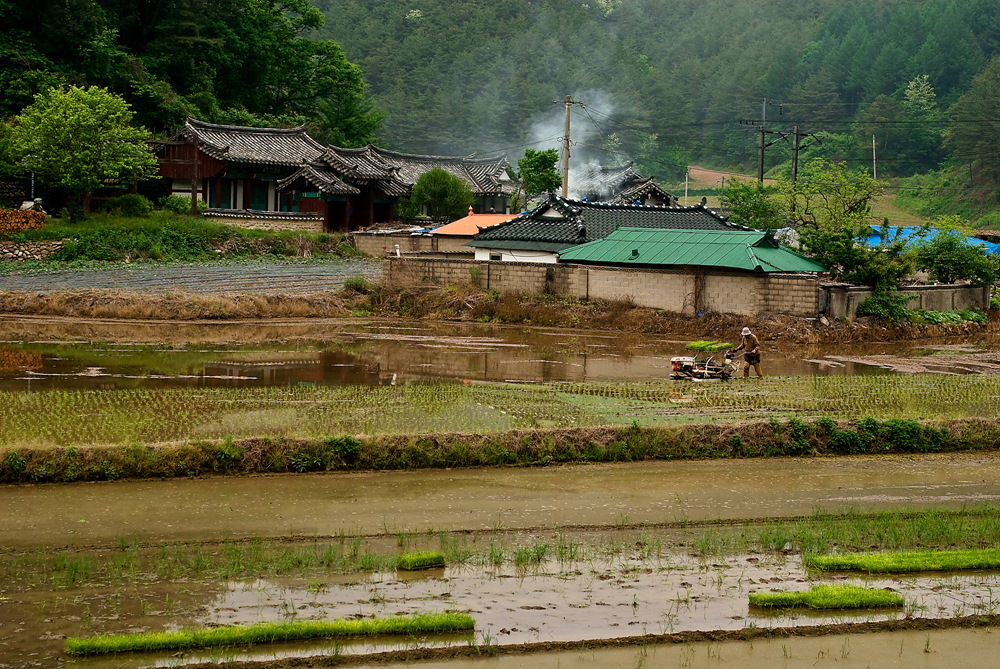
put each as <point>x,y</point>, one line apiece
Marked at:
<point>465,303</point>
<point>514,448</point>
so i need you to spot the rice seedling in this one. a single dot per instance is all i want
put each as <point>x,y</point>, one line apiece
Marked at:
<point>270,632</point>
<point>708,345</point>
<point>840,596</point>
<point>907,561</point>
<point>421,560</point>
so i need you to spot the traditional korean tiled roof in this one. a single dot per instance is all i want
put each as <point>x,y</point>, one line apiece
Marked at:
<point>395,173</point>
<point>259,214</point>
<point>561,223</point>
<point>641,189</point>
<point>324,180</point>
<point>253,146</point>
<point>753,251</point>
<point>603,183</point>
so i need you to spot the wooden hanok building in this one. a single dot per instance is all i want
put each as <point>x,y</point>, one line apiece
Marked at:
<point>272,177</point>
<point>620,185</point>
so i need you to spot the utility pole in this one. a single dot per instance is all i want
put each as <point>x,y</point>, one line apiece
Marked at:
<point>760,143</point>
<point>565,157</point>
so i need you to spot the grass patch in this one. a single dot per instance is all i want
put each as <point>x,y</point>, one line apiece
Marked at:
<point>166,236</point>
<point>829,597</point>
<point>422,560</point>
<point>272,632</point>
<point>907,561</point>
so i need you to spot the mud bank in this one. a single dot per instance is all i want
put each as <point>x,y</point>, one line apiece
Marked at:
<point>463,304</point>
<point>525,448</point>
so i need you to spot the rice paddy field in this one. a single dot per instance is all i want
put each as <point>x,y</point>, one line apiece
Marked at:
<point>692,561</point>
<point>80,418</point>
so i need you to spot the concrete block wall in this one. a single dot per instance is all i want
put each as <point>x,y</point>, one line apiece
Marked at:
<point>795,295</point>
<point>673,291</point>
<point>843,300</point>
<point>372,243</point>
<point>734,294</point>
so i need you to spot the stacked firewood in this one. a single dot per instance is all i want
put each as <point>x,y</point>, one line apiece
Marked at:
<point>13,220</point>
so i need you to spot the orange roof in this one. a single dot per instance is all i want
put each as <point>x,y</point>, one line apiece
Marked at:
<point>470,224</point>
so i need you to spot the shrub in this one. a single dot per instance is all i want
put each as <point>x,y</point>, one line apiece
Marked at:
<point>179,204</point>
<point>132,204</point>
<point>356,284</point>
<point>887,305</point>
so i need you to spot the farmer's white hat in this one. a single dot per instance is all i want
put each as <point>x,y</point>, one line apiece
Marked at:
<point>745,332</point>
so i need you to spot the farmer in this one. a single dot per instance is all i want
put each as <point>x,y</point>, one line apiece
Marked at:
<point>752,357</point>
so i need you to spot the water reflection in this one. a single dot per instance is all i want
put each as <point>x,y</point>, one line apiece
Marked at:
<point>376,354</point>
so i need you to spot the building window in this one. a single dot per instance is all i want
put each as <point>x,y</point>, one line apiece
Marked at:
<point>495,256</point>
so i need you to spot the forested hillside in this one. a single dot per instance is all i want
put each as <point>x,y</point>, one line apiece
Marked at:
<point>665,81</point>
<point>249,62</point>
<point>659,82</point>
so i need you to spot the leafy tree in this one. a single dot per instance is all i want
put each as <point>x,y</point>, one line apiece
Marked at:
<point>831,206</point>
<point>78,138</point>
<point>536,173</point>
<point>830,195</point>
<point>948,257</point>
<point>446,197</point>
<point>754,205</point>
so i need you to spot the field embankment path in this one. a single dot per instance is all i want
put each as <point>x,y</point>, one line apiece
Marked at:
<point>257,277</point>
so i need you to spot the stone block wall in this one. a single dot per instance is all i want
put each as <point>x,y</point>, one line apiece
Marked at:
<point>297,223</point>
<point>28,250</point>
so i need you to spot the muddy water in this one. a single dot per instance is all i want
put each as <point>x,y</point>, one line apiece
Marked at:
<point>474,499</point>
<point>891,650</point>
<point>60,355</point>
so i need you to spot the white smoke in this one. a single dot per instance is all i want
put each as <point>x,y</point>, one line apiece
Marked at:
<point>589,132</point>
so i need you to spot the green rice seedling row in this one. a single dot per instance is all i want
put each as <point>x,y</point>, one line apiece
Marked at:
<point>269,632</point>
<point>908,561</point>
<point>829,597</point>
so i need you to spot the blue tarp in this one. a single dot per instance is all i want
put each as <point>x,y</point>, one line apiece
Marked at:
<point>911,236</point>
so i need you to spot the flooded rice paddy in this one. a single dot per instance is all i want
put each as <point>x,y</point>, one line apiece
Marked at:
<point>36,355</point>
<point>581,553</point>
<point>609,585</point>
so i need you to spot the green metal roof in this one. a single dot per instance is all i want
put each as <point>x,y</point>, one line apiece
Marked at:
<point>753,251</point>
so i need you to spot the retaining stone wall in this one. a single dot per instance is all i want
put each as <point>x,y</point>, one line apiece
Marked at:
<point>28,250</point>
<point>296,224</point>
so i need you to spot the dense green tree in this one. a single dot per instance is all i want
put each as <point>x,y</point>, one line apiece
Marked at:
<point>948,257</point>
<point>78,138</point>
<point>754,204</point>
<point>536,174</point>
<point>445,197</point>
